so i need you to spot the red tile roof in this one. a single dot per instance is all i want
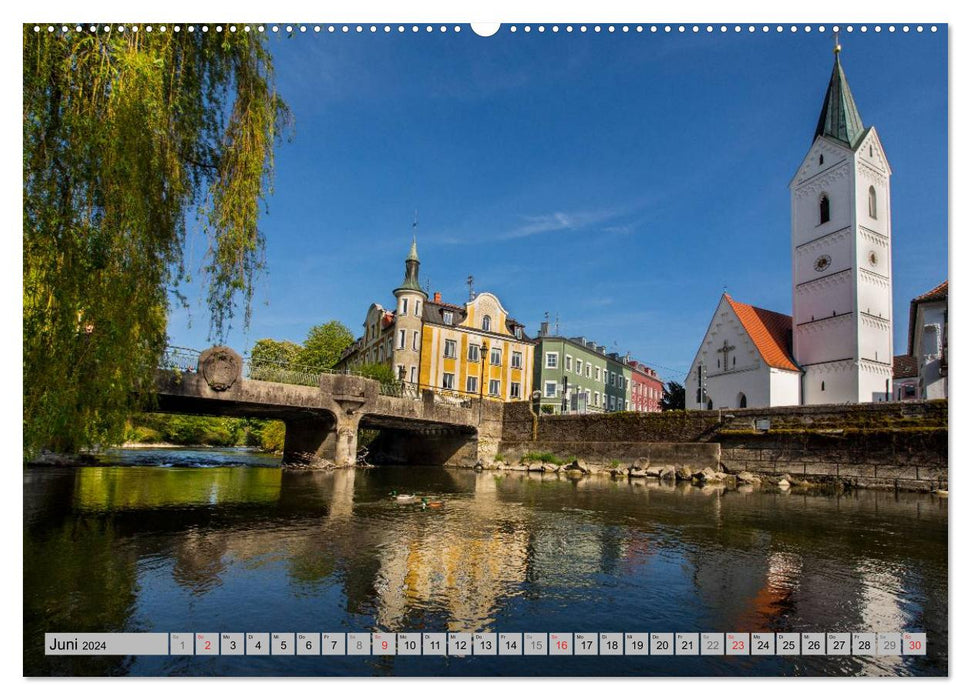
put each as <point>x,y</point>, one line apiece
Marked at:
<point>770,331</point>
<point>937,293</point>
<point>904,366</point>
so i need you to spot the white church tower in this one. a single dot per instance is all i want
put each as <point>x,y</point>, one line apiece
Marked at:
<point>841,265</point>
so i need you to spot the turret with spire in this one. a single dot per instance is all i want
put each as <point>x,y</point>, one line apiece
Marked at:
<point>411,298</point>
<point>412,264</point>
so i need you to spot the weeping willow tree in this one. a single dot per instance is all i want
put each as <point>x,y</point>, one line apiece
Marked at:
<point>131,139</point>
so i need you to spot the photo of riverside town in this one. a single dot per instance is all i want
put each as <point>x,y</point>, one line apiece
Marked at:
<point>567,350</point>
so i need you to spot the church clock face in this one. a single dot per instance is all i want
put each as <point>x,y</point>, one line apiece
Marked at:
<point>822,262</point>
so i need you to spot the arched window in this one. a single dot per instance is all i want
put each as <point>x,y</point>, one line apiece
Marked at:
<point>873,202</point>
<point>742,400</point>
<point>823,209</point>
<point>820,158</point>
<point>487,323</point>
<point>822,386</point>
<point>710,405</point>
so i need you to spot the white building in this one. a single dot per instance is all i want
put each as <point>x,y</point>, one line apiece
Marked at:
<point>838,345</point>
<point>927,342</point>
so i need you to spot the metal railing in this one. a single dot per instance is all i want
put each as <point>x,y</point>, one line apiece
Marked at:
<point>182,359</point>
<point>186,360</point>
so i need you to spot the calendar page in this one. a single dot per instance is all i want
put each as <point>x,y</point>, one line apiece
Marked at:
<point>438,349</point>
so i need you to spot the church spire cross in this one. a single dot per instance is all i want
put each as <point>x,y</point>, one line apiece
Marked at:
<point>836,41</point>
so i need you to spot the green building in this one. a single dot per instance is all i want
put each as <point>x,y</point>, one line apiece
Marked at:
<point>573,375</point>
<point>617,382</point>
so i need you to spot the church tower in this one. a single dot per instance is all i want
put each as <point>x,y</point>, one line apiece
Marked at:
<point>841,265</point>
<point>406,355</point>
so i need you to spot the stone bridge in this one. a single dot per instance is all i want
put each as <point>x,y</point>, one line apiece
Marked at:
<point>322,422</point>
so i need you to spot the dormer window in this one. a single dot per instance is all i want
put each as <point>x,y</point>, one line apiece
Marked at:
<point>487,323</point>
<point>447,317</point>
<point>823,209</point>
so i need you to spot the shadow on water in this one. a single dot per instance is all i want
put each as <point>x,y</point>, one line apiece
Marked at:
<point>227,544</point>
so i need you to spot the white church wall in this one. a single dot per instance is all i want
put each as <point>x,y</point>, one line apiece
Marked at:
<point>784,387</point>
<point>833,382</point>
<point>873,343</point>
<point>725,390</point>
<point>873,293</point>
<point>815,259</point>
<point>827,339</point>
<point>824,298</point>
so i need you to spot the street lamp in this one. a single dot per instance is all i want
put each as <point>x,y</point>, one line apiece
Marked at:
<point>484,352</point>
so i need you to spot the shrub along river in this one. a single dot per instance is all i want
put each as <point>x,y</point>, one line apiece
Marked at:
<point>179,540</point>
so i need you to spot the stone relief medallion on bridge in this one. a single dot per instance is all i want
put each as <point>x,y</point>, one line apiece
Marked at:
<point>220,367</point>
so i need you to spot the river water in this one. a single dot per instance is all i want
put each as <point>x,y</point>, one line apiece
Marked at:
<point>176,540</point>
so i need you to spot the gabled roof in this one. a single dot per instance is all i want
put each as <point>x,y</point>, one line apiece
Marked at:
<point>770,331</point>
<point>938,293</point>
<point>904,366</point>
<point>839,118</point>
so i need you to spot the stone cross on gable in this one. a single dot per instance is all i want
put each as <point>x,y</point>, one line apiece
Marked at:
<point>725,349</point>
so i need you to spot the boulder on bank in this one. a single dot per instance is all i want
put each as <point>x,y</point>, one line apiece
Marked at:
<point>577,465</point>
<point>616,472</point>
<point>747,477</point>
<point>683,474</point>
<point>667,474</point>
<point>635,473</point>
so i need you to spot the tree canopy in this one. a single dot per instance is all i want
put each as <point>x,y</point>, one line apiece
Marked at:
<point>673,397</point>
<point>278,353</point>
<point>129,137</point>
<point>324,344</point>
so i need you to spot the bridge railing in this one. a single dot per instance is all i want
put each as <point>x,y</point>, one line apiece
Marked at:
<point>186,360</point>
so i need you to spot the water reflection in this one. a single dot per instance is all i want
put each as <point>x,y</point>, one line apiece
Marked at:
<point>236,548</point>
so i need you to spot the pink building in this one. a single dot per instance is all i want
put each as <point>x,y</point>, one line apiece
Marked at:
<point>646,389</point>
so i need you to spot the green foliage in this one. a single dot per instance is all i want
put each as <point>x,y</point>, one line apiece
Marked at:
<point>324,345</point>
<point>547,457</point>
<point>271,436</point>
<point>379,371</point>
<point>267,351</point>
<point>125,137</point>
<point>673,397</point>
<point>546,409</point>
<point>153,428</point>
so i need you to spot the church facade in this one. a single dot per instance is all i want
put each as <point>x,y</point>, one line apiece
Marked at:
<point>837,347</point>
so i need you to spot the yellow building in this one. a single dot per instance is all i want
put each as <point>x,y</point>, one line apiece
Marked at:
<point>475,349</point>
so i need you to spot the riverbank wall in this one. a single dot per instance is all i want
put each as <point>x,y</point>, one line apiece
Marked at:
<point>889,445</point>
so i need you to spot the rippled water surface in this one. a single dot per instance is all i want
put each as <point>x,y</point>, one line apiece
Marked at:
<point>173,540</point>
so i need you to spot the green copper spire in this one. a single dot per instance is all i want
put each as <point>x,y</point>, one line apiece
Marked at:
<point>839,118</point>
<point>410,283</point>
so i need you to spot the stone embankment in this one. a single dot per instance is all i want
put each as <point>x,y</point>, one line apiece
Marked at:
<point>891,446</point>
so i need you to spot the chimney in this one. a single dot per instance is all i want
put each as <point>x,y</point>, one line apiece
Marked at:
<point>544,329</point>
<point>437,298</point>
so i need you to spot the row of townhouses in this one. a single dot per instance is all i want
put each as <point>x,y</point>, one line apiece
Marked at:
<point>478,349</point>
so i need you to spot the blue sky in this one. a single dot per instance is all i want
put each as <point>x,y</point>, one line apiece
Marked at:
<point>619,181</point>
